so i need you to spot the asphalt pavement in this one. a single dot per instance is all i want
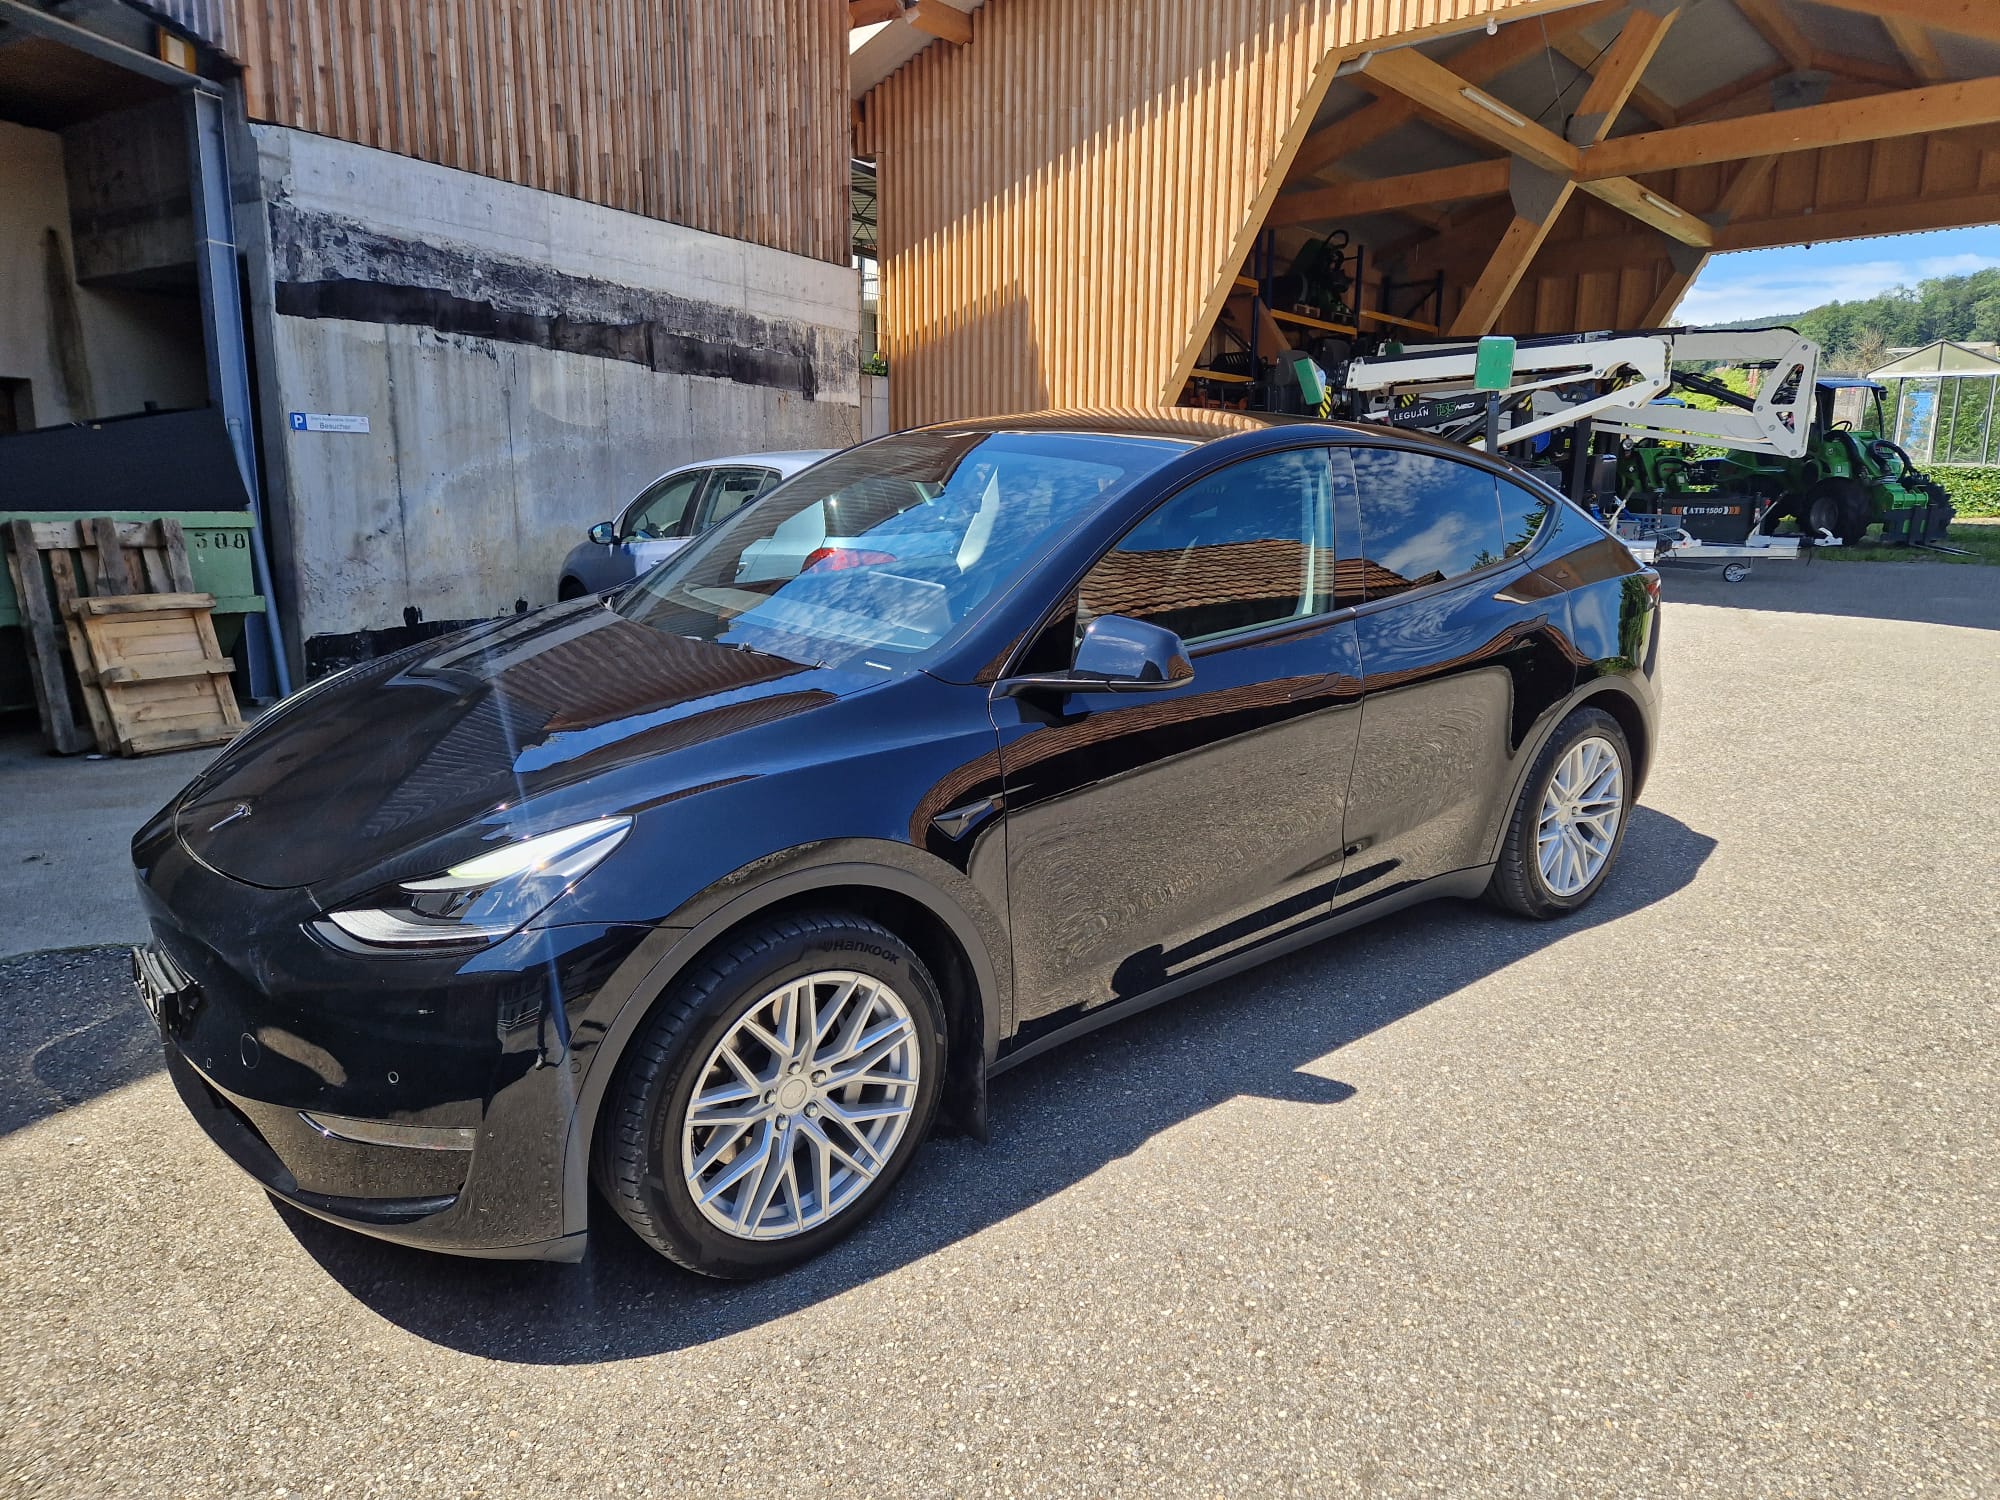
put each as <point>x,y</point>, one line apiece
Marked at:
<point>66,825</point>
<point>1690,1194</point>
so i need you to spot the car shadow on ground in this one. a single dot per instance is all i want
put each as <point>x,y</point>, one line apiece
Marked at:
<point>1057,1120</point>
<point>1921,593</point>
<point>71,1028</point>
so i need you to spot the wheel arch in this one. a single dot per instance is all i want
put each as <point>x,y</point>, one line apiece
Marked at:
<point>1623,707</point>
<point>932,921</point>
<point>1616,697</point>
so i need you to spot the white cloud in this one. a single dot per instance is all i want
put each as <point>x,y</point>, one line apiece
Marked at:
<point>1718,296</point>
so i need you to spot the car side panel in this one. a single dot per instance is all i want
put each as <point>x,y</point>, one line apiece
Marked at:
<point>1457,682</point>
<point>1150,834</point>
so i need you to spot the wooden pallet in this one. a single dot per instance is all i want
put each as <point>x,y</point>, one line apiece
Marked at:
<point>56,563</point>
<point>154,661</point>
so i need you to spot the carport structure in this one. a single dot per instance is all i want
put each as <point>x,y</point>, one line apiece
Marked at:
<point>1078,197</point>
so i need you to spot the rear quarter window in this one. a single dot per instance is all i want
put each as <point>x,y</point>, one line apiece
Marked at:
<point>1424,519</point>
<point>1522,513</point>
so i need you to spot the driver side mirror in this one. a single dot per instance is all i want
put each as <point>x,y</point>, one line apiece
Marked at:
<point>1116,655</point>
<point>604,533</point>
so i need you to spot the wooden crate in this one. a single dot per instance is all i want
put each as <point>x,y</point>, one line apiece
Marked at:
<point>54,567</point>
<point>153,659</point>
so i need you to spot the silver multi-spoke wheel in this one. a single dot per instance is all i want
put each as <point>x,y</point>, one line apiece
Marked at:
<point>1578,826</point>
<point>801,1105</point>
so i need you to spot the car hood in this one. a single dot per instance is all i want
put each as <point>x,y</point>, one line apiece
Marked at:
<point>391,756</point>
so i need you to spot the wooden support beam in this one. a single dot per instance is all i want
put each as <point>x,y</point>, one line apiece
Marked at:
<point>1889,72</point>
<point>1913,40</point>
<point>1644,100</point>
<point>1440,92</point>
<point>1776,26</point>
<point>1540,195</point>
<point>1479,179</point>
<point>1649,207</point>
<point>872,12</point>
<point>942,21</point>
<point>1539,199</point>
<point>1723,97</point>
<point>1973,18</point>
<point>1749,180</point>
<point>1865,221</point>
<point>1940,106</point>
<point>1617,76</point>
<point>1484,59</point>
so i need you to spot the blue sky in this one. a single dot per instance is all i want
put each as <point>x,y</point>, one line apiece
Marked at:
<point>1777,283</point>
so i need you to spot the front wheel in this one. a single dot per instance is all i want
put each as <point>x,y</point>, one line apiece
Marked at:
<point>1569,825</point>
<point>775,1096</point>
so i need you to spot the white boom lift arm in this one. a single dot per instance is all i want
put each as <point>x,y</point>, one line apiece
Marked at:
<point>1616,381</point>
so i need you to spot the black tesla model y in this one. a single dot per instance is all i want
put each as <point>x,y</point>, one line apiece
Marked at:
<point>716,892</point>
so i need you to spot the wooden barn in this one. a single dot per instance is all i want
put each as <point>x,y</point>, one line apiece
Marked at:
<point>1086,202</point>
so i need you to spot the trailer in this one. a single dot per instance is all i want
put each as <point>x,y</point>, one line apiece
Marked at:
<point>1570,407</point>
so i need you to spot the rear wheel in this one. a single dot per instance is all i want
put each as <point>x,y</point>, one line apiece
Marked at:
<point>569,588</point>
<point>1569,825</point>
<point>775,1096</point>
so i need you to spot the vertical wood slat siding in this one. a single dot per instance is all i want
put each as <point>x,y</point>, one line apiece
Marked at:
<point>1069,247</point>
<point>727,118</point>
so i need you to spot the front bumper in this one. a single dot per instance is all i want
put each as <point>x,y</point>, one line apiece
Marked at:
<point>266,1026</point>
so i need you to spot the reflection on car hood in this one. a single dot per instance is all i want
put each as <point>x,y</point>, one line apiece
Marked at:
<point>399,752</point>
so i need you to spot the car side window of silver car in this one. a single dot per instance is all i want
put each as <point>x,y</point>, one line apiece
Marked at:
<point>663,509</point>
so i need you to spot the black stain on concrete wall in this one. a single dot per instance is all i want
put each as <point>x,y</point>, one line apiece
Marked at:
<point>330,267</point>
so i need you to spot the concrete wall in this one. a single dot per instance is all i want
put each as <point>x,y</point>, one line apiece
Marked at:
<point>875,406</point>
<point>131,213</point>
<point>525,362</point>
<point>86,352</point>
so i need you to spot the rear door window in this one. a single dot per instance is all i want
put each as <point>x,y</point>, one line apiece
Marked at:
<point>1424,519</point>
<point>730,490</point>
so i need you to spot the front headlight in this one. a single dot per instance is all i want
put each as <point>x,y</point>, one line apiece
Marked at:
<point>483,898</point>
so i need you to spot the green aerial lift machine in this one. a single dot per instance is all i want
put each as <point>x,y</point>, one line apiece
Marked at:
<point>1848,479</point>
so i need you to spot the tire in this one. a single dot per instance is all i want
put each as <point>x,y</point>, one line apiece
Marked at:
<point>1840,506</point>
<point>1520,883</point>
<point>569,588</point>
<point>645,1152</point>
<point>1735,572</point>
<point>1857,513</point>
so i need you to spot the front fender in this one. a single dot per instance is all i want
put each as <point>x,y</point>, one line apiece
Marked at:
<point>622,1006</point>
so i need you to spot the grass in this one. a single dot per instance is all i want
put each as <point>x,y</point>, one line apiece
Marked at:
<point>1980,536</point>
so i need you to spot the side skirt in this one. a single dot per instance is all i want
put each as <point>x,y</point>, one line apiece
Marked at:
<point>1462,884</point>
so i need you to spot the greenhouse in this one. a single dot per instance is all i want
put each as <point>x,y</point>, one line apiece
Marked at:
<point>1939,403</point>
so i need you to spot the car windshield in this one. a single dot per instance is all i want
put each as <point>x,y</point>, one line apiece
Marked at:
<point>883,550</point>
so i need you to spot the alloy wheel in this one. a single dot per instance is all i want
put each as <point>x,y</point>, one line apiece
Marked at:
<point>801,1105</point>
<point>1578,825</point>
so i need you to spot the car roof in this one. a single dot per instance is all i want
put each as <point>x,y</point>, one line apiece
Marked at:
<point>1185,423</point>
<point>785,461</point>
<point>1197,426</point>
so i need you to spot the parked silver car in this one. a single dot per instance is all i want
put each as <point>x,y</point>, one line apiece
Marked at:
<point>668,513</point>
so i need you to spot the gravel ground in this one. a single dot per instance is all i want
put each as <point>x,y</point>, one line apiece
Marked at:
<point>1690,1195</point>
